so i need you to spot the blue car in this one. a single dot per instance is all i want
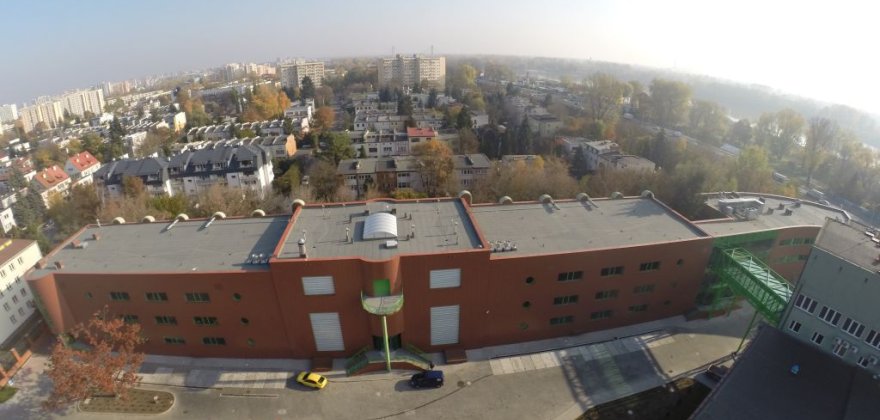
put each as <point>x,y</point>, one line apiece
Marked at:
<point>427,379</point>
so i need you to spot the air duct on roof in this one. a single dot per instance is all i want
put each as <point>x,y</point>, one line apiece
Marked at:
<point>258,213</point>
<point>466,196</point>
<point>505,200</point>
<point>298,203</point>
<point>118,221</point>
<point>148,219</point>
<point>219,215</point>
<point>647,194</point>
<point>616,195</point>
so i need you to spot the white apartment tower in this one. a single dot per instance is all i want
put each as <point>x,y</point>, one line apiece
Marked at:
<point>49,112</point>
<point>293,74</point>
<point>77,103</point>
<point>409,70</point>
<point>17,256</point>
<point>8,113</point>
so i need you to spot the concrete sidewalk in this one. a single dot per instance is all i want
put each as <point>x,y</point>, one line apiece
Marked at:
<point>221,373</point>
<point>557,379</point>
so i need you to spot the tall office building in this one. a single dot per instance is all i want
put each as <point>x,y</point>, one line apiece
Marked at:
<point>8,113</point>
<point>293,74</point>
<point>410,70</point>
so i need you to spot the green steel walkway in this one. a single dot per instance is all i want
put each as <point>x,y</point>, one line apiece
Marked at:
<point>766,290</point>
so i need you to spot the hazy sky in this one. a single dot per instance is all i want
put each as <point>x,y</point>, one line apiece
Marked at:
<point>825,50</point>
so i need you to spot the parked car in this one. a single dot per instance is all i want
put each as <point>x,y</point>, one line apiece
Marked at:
<point>427,379</point>
<point>311,380</point>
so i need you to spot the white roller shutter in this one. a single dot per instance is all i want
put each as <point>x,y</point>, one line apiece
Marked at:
<point>441,279</point>
<point>320,285</point>
<point>327,331</point>
<point>444,325</point>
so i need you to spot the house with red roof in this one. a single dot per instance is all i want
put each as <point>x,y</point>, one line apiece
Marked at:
<point>418,135</point>
<point>50,181</point>
<point>81,166</point>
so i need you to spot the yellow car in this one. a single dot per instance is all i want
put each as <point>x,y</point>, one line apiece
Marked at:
<point>312,380</point>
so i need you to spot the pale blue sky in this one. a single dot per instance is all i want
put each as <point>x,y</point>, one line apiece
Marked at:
<point>823,50</point>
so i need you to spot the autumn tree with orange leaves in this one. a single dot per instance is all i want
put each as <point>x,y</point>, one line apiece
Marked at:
<point>103,361</point>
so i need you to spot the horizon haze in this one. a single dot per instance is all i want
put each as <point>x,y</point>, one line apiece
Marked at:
<point>796,48</point>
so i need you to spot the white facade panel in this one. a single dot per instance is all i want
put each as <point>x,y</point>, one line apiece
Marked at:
<point>444,325</point>
<point>327,331</point>
<point>318,285</point>
<point>441,279</point>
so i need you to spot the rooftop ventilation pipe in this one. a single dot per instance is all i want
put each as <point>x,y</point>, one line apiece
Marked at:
<point>302,247</point>
<point>298,203</point>
<point>505,200</point>
<point>118,221</point>
<point>258,213</point>
<point>148,219</point>
<point>465,195</point>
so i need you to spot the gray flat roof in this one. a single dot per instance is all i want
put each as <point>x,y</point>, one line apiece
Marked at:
<point>147,247</point>
<point>436,226</point>
<point>760,386</point>
<point>541,229</point>
<point>808,214</point>
<point>850,243</point>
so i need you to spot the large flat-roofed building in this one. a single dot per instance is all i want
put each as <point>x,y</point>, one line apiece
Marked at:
<point>324,276</point>
<point>780,230</point>
<point>779,377</point>
<point>413,70</point>
<point>834,306</point>
<point>439,274</point>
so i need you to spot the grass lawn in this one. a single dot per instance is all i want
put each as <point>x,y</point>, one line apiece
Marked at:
<point>6,393</point>
<point>139,401</point>
<point>676,400</point>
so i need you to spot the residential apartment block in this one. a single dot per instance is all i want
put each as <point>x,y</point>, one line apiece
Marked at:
<point>227,131</point>
<point>152,171</point>
<point>48,112</point>
<point>78,102</point>
<point>192,171</point>
<point>412,70</point>
<point>80,167</point>
<point>292,75</point>
<point>50,182</point>
<point>17,256</point>
<point>274,146</point>
<point>245,167</point>
<point>390,173</point>
<point>8,113</point>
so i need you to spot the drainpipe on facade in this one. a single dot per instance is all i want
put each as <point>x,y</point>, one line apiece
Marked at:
<point>387,346</point>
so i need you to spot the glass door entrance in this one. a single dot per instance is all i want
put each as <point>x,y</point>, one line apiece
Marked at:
<point>393,342</point>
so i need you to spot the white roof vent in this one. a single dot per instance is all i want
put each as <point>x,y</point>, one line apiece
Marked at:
<point>380,226</point>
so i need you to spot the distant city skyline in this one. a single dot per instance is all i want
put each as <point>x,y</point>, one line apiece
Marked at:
<point>815,51</point>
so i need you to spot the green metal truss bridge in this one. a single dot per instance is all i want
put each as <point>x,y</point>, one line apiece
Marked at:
<point>748,276</point>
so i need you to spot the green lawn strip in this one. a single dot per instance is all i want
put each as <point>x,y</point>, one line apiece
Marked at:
<point>6,393</point>
<point>139,401</point>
